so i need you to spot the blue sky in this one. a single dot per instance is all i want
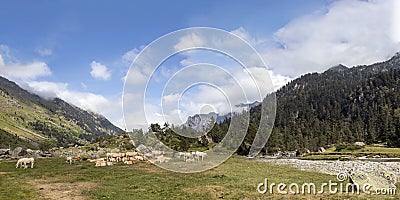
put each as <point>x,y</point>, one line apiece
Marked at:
<point>81,50</point>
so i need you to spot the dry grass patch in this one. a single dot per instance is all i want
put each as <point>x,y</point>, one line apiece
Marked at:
<point>50,189</point>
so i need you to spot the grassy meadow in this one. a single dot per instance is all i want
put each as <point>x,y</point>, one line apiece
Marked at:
<point>237,178</point>
<point>368,151</point>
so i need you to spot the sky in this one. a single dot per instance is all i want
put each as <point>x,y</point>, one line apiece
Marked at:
<point>81,51</point>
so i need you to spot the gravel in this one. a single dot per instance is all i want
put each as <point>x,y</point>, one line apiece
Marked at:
<point>335,167</point>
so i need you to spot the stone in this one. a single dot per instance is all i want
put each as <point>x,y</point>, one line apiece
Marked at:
<point>16,151</point>
<point>321,149</point>
<point>361,144</point>
<point>4,152</point>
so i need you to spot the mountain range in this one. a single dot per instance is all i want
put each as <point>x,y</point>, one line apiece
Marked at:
<point>202,122</point>
<point>26,118</point>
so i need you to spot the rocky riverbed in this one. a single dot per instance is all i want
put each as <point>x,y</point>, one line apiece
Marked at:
<point>335,167</point>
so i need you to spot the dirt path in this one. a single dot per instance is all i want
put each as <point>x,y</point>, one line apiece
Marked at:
<point>50,189</point>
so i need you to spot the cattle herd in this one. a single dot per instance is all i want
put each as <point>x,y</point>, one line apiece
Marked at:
<point>128,158</point>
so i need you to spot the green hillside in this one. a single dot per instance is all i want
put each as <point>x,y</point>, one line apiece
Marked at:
<point>34,120</point>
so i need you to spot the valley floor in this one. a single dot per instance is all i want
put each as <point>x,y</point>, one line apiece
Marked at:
<point>237,178</point>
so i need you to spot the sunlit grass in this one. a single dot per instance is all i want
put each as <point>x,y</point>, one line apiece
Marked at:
<point>237,178</point>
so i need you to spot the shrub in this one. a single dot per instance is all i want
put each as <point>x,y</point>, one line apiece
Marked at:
<point>347,146</point>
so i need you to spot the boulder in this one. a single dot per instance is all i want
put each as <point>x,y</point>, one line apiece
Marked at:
<point>4,152</point>
<point>361,144</point>
<point>16,152</point>
<point>321,149</point>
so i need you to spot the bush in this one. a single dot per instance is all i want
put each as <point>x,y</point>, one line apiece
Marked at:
<point>347,146</point>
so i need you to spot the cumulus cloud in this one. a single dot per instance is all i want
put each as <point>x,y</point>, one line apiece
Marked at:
<point>350,32</point>
<point>130,55</point>
<point>26,76</point>
<point>89,101</point>
<point>245,35</point>
<point>189,41</point>
<point>99,71</point>
<point>22,71</point>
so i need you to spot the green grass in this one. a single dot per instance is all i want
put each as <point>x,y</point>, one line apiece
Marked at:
<point>11,141</point>
<point>368,151</point>
<point>237,178</point>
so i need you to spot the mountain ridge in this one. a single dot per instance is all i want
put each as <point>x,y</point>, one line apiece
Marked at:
<point>24,113</point>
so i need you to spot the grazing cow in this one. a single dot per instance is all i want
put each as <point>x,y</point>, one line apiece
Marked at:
<point>180,154</point>
<point>140,158</point>
<point>108,155</point>
<point>98,159</point>
<point>78,158</point>
<point>157,153</point>
<point>187,156</point>
<point>131,154</point>
<point>115,157</point>
<point>150,162</point>
<point>148,156</point>
<point>200,154</point>
<point>25,161</point>
<point>101,163</point>
<point>163,159</point>
<point>69,160</point>
<point>128,162</point>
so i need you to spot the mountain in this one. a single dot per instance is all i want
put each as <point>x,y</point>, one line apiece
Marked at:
<point>36,120</point>
<point>248,105</point>
<point>202,122</point>
<point>342,104</point>
<point>337,68</point>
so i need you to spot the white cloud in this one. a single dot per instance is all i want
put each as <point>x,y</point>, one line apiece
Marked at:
<point>189,41</point>
<point>89,101</point>
<point>29,71</point>
<point>350,32</point>
<point>84,86</point>
<point>99,71</point>
<point>129,56</point>
<point>396,21</point>
<point>5,50</point>
<point>171,98</point>
<point>44,52</point>
<point>245,35</point>
<point>26,74</point>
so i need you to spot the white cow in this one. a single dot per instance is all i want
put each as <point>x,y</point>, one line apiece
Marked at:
<point>200,154</point>
<point>162,159</point>
<point>25,161</point>
<point>69,160</point>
